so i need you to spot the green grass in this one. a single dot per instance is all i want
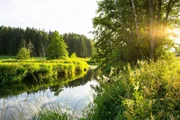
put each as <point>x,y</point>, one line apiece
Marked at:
<point>54,115</point>
<point>42,59</point>
<point>55,112</point>
<point>52,111</point>
<point>2,58</point>
<point>15,71</point>
<point>147,91</point>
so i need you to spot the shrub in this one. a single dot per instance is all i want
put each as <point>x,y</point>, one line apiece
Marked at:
<point>73,55</point>
<point>23,53</point>
<point>149,91</point>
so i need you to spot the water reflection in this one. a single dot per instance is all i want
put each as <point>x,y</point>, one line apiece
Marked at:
<point>92,74</point>
<point>19,98</point>
<point>30,88</point>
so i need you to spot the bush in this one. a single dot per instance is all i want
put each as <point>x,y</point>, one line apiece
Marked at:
<point>23,53</point>
<point>73,55</point>
<point>149,91</point>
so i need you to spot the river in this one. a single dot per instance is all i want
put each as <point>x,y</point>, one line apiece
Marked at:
<point>25,103</point>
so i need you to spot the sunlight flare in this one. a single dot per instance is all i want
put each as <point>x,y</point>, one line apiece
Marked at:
<point>174,34</point>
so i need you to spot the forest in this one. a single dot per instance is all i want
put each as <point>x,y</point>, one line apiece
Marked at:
<point>37,41</point>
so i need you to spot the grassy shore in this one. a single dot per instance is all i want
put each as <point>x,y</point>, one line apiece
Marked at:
<point>146,91</point>
<point>38,69</point>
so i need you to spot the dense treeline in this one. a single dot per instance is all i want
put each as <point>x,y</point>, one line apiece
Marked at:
<point>12,39</point>
<point>79,44</point>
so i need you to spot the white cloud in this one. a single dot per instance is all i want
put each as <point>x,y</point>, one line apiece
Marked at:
<point>62,15</point>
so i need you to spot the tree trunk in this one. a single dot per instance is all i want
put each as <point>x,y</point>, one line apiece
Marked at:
<point>151,29</point>
<point>136,21</point>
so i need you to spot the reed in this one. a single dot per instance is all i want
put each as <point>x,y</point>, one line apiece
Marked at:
<point>18,71</point>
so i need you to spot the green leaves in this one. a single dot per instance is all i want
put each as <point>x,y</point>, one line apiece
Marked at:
<point>147,91</point>
<point>57,47</point>
<point>23,53</point>
<point>78,44</point>
<point>127,31</point>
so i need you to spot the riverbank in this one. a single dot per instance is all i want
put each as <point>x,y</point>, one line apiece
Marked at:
<point>16,71</point>
<point>146,91</point>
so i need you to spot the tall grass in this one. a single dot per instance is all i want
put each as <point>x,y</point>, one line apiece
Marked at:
<point>55,112</point>
<point>37,110</point>
<point>18,71</point>
<point>148,91</point>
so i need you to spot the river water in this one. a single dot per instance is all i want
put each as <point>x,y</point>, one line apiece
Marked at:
<point>24,102</point>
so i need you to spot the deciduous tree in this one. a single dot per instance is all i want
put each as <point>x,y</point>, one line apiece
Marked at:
<point>23,53</point>
<point>57,47</point>
<point>131,30</point>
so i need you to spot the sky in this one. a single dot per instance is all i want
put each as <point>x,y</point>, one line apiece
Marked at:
<point>62,15</point>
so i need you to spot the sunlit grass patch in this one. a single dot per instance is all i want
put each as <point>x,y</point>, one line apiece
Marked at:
<point>16,71</point>
<point>147,91</point>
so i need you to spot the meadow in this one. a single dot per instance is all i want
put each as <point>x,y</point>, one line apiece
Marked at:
<point>38,70</point>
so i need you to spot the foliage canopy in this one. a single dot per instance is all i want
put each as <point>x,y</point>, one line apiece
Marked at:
<point>130,30</point>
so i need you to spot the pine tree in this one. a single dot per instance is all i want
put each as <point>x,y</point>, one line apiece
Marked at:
<point>30,46</point>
